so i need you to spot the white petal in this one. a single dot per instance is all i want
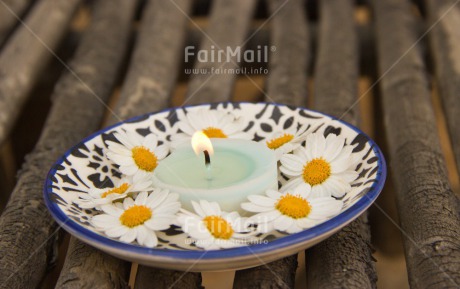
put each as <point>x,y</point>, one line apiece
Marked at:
<point>141,198</point>
<point>104,221</point>
<point>121,160</point>
<point>198,209</point>
<point>283,223</point>
<point>315,145</point>
<point>337,187</point>
<point>292,164</point>
<point>343,161</point>
<point>319,191</point>
<point>324,208</point>
<point>134,137</point>
<point>168,208</point>
<point>261,200</point>
<point>151,241</point>
<point>112,210</point>
<point>161,152</point>
<point>129,169</point>
<point>292,183</point>
<point>128,203</point>
<point>305,223</point>
<point>265,227</point>
<point>130,236</point>
<point>150,141</point>
<point>158,224</point>
<point>208,209</point>
<point>117,231</point>
<point>186,128</point>
<point>156,197</point>
<point>265,217</point>
<point>273,194</point>
<point>334,146</point>
<point>124,139</point>
<point>251,207</point>
<point>200,233</point>
<point>303,190</point>
<point>119,149</point>
<point>141,235</point>
<point>348,176</point>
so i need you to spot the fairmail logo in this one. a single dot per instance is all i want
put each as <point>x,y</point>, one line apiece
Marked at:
<point>229,54</point>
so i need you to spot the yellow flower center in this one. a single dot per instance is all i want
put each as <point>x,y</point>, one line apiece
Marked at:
<point>118,190</point>
<point>135,216</point>
<point>316,171</point>
<point>144,158</point>
<point>214,132</point>
<point>219,228</point>
<point>279,141</point>
<point>293,206</point>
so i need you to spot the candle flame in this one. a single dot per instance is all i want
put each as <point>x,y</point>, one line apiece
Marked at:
<point>200,143</point>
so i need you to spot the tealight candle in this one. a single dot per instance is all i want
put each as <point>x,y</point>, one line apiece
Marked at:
<point>221,170</point>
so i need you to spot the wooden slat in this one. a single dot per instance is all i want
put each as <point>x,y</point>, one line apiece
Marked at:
<point>345,259</point>
<point>150,80</point>
<point>289,34</point>
<point>228,28</point>
<point>428,209</point>
<point>26,54</point>
<point>147,88</point>
<point>445,44</point>
<point>146,277</point>
<point>27,231</point>
<point>9,9</point>
<point>287,83</point>
<point>158,54</point>
<point>277,274</point>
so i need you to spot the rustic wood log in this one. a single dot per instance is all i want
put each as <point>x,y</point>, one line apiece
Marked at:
<point>345,259</point>
<point>445,44</point>
<point>277,274</point>
<point>27,232</point>
<point>336,67</point>
<point>26,54</point>
<point>289,35</point>
<point>287,83</point>
<point>429,211</point>
<point>9,9</point>
<point>158,54</point>
<point>148,86</point>
<point>147,278</point>
<point>228,28</point>
<point>85,266</point>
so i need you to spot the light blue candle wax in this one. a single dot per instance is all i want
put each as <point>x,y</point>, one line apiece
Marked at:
<point>238,168</point>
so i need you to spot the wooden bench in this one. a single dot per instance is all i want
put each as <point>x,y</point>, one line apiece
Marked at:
<point>130,61</point>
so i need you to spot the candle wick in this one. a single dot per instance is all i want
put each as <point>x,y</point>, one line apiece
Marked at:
<point>207,159</point>
<point>207,162</point>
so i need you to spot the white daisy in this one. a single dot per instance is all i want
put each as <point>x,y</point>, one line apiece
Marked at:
<point>139,219</point>
<point>136,154</point>
<point>213,123</point>
<point>124,187</point>
<point>291,211</point>
<point>324,163</point>
<point>213,229</point>
<point>283,142</point>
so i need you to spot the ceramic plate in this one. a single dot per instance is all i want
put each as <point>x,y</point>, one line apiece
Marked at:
<point>85,166</point>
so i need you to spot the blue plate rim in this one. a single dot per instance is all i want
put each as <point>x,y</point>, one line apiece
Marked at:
<point>254,249</point>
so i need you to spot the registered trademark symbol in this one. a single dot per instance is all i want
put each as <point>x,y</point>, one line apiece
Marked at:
<point>273,48</point>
